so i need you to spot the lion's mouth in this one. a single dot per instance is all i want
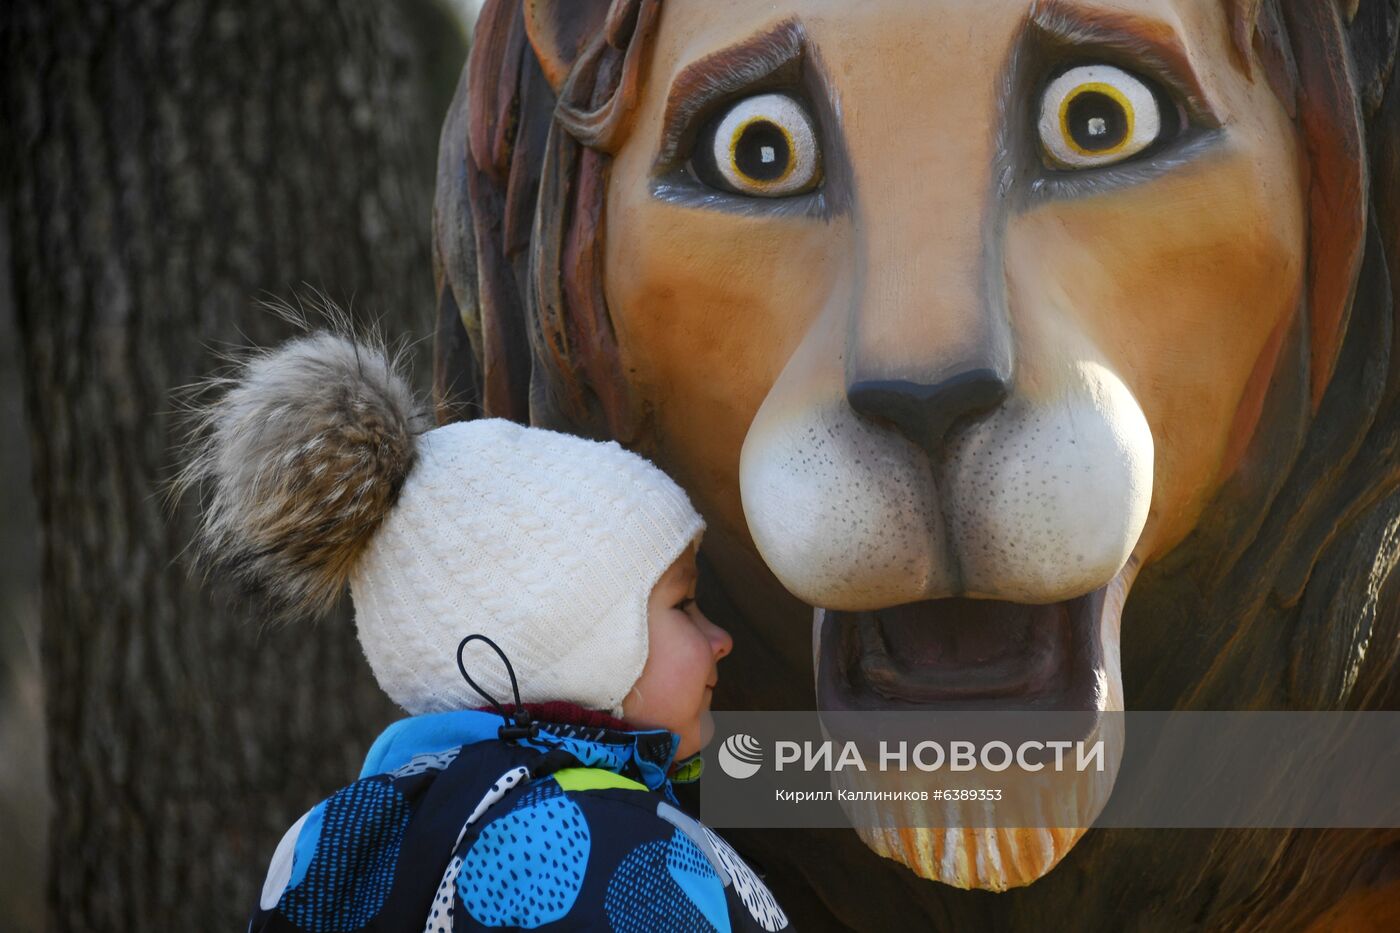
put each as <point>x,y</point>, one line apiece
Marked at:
<point>965,654</point>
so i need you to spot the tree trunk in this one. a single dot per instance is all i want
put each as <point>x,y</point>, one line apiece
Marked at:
<point>167,163</point>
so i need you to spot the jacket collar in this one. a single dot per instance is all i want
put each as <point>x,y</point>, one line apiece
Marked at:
<point>645,755</point>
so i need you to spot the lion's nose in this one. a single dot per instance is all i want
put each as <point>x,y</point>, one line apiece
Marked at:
<point>925,413</point>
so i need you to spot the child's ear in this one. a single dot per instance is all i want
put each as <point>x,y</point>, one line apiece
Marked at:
<point>559,30</point>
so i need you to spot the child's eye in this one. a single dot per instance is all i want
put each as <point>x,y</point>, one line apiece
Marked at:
<point>684,604</point>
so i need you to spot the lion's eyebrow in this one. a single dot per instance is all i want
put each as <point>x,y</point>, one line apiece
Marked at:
<point>1151,42</point>
<point>725,72</point>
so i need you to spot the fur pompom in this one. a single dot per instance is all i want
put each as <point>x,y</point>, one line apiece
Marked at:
<point>300,454</point>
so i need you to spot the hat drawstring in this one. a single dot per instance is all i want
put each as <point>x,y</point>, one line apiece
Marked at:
<point>522,727</point>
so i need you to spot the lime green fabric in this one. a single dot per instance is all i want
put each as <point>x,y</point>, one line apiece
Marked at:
<point>593,779</point>
<point>688,771</point>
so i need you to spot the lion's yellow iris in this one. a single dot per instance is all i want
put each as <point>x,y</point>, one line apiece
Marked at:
<point>786,152</point>
<point>1111,92</point>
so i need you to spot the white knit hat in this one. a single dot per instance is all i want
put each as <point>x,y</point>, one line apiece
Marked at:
<point>546,543</point>
<point>549,544</point>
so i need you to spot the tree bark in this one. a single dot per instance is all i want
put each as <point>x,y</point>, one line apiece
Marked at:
<point>167,163</point>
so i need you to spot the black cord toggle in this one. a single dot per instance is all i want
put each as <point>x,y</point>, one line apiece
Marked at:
<point>519,725</point>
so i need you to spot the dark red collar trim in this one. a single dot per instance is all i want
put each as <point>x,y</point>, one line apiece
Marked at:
<point>571,714</point>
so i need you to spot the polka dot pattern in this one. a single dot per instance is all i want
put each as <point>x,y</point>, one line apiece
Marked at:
<point>761,903</point>
<point>643,897</point>
<point>350,875</point>
<point>526,868</point>
<point>498,790</point>
<point>440,917</point>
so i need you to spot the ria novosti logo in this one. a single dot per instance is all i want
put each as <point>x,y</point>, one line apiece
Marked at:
<point>740,756</point>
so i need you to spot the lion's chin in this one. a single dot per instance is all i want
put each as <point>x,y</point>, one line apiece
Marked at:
<point>1065,659</point>
<point>951,841</point>
<point>989,859</point>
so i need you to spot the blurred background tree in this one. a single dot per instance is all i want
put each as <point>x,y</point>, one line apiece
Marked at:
<point>162,165</point>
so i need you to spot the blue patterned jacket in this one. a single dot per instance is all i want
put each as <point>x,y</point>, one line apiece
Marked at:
<point>450,828</point>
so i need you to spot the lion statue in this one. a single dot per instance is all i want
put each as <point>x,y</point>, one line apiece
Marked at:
<point>1023,354</point>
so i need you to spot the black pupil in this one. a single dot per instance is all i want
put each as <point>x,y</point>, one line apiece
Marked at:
<point>762,151</point>
<point>1096,121</point>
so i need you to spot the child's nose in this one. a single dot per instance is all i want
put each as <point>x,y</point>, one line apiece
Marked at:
<point>722,641</point>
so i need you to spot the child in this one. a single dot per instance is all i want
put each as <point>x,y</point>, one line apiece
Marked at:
<point>575,561</point>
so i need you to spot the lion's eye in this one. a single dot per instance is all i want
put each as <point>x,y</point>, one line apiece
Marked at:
<point>763,146</point>
<point>1096,115</point>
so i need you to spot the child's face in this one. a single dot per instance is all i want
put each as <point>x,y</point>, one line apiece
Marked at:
<point>682,661</point>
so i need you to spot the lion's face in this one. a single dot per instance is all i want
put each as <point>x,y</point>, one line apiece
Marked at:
<point>1000,337</point>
